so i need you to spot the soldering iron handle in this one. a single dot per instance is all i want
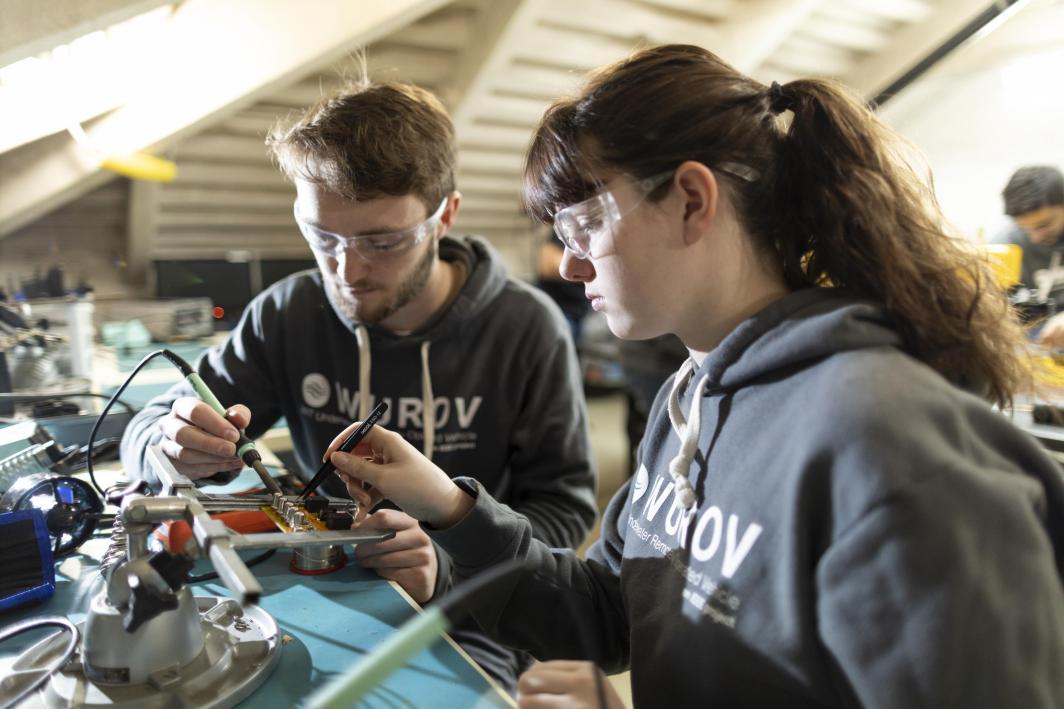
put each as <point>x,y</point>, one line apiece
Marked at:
<point>205,394</point>
<point>244,444</point>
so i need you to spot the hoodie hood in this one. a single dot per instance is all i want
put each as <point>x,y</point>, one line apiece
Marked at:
<point>799,328</point>
<point>796,330</point>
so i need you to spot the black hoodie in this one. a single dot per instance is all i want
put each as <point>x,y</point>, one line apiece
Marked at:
<point>860,533</point>
<point>498,364</point>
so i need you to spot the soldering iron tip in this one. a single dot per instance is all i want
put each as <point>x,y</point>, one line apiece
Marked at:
<point>265,476</point>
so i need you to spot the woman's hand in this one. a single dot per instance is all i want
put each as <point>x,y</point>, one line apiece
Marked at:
<point>395,470</point>
<point>566,683</point>
<point>408,558</point>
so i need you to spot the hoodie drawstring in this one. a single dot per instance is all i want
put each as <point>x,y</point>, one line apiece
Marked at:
<point>362,335</point>
<point>688,430</point>
<point>428,404</point>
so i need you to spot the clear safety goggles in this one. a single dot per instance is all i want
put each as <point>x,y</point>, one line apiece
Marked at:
<point>368,246</point>
<point>578,225</point>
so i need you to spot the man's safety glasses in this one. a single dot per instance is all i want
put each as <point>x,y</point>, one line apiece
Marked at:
<point>368,246</point>
<point>579,224</point>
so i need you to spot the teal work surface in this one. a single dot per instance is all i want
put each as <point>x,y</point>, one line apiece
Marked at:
<point>327,623</point>
<point>336,619</point>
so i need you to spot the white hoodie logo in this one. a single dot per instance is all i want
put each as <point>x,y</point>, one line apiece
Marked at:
<point>315,390</point>
<point>712,526</point>
<point>639,486</point>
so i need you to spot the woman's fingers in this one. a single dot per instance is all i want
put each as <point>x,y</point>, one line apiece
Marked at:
<point>400,473</point>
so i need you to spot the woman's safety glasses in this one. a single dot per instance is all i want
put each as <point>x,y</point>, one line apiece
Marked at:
<point>372,247</point>
<point>579,224</point>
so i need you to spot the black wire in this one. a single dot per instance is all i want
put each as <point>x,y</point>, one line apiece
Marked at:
<point>185,370</point>
<point>24,397</point>
<point>114,397</point>
<point>211,575</point>
<point>108,446</point>
<point>74,455</point>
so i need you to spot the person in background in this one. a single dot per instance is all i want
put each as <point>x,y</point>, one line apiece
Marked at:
<point>1034,199</point>
<point>478,368</point>
<point>569,296</point>
<point>828,511</point>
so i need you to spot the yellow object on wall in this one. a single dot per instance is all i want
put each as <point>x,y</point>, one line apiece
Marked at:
<point>1006,261</point>
<point>138,165</point>
<point>141,166</point>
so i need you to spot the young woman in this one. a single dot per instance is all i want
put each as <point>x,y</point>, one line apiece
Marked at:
<point>827,512</point>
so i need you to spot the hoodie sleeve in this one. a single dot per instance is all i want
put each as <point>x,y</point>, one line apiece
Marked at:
<point>238,372</point>
<point>559,606</point>
<point>553,476</point>
<point>940,594</point>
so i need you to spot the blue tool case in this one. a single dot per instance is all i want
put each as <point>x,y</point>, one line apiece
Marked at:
<point>26,558</point>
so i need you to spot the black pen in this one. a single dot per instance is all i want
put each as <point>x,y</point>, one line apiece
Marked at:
<point>353,440</point>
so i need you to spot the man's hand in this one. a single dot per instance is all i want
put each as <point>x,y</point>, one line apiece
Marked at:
<point>408,558</point>
<point>566,683</point>
<point>199,441</point>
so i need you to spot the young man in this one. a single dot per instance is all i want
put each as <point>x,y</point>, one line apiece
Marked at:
<point>1034,199</point>
<point>478,368</point>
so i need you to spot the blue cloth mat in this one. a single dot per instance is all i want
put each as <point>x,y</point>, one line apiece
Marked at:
<point>336,619</point>
<point>327,623</point>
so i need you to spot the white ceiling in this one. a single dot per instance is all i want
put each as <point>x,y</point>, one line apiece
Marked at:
<point>496,64</point>
<point>526,53</point>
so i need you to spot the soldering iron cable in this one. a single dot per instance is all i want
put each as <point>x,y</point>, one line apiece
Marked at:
<point>245,447</point>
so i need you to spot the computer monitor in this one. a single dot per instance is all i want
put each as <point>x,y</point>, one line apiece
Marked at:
<point>230,285</point>
<point>226,283</point>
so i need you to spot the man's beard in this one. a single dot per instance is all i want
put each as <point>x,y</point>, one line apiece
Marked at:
<point>409,289</point>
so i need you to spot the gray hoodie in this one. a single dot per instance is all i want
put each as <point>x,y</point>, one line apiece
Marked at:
<point>498,365</point>
<point>860,533</point>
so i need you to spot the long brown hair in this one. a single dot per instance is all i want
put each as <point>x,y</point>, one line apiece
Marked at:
<point>834,201</point>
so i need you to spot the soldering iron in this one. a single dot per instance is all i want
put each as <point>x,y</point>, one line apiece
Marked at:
<point>245,447</point>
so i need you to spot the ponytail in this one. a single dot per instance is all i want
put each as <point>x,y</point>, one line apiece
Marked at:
<point>847,209</point>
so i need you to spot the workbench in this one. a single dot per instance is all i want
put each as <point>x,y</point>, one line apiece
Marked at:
<point>327,623</point>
